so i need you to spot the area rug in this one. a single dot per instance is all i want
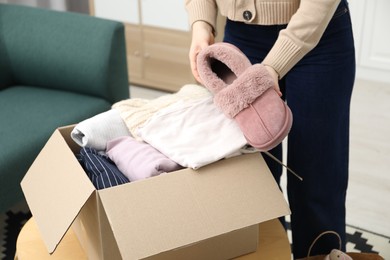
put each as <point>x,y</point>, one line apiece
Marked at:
<point>11,223</point>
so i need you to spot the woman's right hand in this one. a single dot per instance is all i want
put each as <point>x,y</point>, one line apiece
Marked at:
<point>202,36</point>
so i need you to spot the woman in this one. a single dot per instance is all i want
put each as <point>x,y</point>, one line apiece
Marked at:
<point>307,47</point>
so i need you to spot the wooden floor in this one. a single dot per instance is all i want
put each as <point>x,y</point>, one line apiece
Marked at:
<point>368,199</point>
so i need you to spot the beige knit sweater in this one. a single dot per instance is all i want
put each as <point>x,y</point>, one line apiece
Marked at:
<point>306,19</point>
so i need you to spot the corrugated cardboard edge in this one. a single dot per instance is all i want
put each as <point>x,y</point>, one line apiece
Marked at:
<point>208,208</point>
<point>56,188</point>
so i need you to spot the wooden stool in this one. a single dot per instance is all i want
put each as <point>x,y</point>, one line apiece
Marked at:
<point>273,244</point>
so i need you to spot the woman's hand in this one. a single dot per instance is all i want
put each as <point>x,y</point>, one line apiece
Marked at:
<point>275,78</point>
<point>202,36</point>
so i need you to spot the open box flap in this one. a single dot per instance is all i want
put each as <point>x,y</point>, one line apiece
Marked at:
<point>180,208</point>
<point>56,188</point>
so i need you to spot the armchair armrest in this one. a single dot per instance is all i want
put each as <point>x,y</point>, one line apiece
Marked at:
<point>63,50</point>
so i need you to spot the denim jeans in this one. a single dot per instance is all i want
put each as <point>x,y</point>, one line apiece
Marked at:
<point>318,90</point>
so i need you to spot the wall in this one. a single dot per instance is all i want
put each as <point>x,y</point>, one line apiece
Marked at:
<point>371,20</point>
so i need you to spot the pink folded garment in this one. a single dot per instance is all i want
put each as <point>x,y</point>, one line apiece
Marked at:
<point>245,92</point>
<point>138,160</point>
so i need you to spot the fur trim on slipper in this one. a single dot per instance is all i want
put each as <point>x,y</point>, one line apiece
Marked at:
<point>244,90</point>
<point>226,62</point>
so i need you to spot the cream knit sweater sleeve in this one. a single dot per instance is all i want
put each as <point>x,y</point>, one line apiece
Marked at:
<point>302,34</point>
<point>202,10</point>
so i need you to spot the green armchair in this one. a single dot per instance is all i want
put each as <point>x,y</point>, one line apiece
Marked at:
<point>56,68</point>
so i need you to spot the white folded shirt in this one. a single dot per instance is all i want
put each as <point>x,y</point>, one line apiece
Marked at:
<point>96,131</point>
<point>193,133</point>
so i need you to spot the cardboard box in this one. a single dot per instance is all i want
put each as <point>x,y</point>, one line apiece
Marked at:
<point>210,213</point>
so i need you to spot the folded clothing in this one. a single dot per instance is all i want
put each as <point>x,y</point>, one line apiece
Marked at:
<point>136,111</point>
<point>102,172</point>
<point>193,134</point>
<point>138,160</point>
<point>94,132</point>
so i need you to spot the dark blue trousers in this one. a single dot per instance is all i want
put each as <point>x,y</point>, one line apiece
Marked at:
<point>318,90</point>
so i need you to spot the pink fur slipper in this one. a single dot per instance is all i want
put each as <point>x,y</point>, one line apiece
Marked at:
<point>245,92</point>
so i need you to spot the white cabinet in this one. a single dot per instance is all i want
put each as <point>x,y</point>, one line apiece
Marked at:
<point>157,40</point>
<point>169,14</point>
<point>119,10</point>
<point>371,21</point>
